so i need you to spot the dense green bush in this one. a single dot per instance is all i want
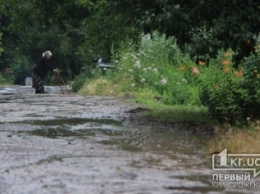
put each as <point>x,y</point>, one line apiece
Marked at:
<point>232,95</point>
<point>251,86</point>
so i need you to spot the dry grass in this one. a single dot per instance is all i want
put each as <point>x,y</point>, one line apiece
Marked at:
<point>99,86</point>
<point>241,141</point>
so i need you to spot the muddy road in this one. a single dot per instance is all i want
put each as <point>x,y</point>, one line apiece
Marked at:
<point>70,144</point>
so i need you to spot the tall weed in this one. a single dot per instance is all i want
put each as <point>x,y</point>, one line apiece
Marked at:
<point>156,64</point>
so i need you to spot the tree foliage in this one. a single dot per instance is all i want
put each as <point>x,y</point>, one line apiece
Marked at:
<point>78,30</point>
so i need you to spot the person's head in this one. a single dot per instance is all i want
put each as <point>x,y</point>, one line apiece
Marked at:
<point>47,54</point>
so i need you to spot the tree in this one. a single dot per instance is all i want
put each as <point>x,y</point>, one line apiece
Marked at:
<point>37,26</point>
<point>81,29</point>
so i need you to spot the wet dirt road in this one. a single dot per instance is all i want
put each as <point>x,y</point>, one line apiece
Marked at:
<point>70,144</point>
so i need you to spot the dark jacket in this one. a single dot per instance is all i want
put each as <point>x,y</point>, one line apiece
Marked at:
<point>42,68</point>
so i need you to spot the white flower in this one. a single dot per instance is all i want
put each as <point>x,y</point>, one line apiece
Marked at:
<point>132,85</point>
<point>137,64</point>
<point>184,80</point>
<point>149,68</point>
<point>145,69</point>
<point>134,56</point>
<point>155,69</point>
<point>163,81</point>
<point>142,80</point>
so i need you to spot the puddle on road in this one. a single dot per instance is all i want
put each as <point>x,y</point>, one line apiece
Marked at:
<point>72,127</point>
<point>156,140</point>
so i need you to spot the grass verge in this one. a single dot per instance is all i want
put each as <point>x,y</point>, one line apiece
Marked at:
<point>236,140</point>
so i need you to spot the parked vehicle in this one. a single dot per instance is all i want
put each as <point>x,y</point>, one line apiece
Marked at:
<point>104,65</point>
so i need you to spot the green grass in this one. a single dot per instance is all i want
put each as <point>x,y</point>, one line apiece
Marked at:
<point>175,113</point>
<point>4,80</point>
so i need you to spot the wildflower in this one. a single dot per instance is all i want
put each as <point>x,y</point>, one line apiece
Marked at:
<point>143,80</point>
<point>201,63</point>
<point>145,69</point>
<point>163,81</point>
<point>137,64</point>
<point>195,71</point>
<point>228,54</point>
<point>183,68</point>
<point>225,70</point>
<point>225,62</point>
<point>149,68</point>
<point>132,85</point>
<point>239,73</point>
<point>184,80</point>
<point>155,69</point>
<point>134,56</point>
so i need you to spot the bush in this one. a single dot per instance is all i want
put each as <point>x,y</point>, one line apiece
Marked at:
<point>21,68</point>
<point>251,86</point>
<point>156,64</point>
<point>87,73</point>
<point>232,95</point>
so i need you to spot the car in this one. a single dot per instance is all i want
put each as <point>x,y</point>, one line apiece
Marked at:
<point>103,65</point>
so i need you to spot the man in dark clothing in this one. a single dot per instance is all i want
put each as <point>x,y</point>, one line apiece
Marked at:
<point>40,72</point>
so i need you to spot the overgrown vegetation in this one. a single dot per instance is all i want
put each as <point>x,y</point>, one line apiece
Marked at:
<point>214,94</point>
<point>172,77</point>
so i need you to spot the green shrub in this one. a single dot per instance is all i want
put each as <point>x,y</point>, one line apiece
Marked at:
<point>87,73</point>
<point>251,86</point>
<point>232,95</point>
<point>21,68</point>
<point>156,64</point>
<point>2,79</point>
